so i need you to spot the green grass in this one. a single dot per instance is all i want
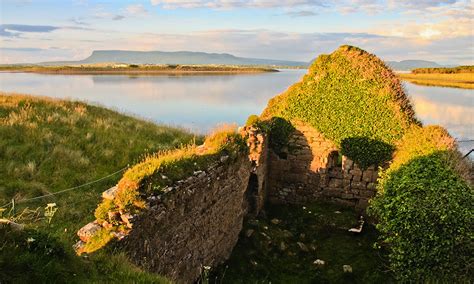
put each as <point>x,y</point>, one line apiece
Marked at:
<point>323,229</point>
<point>48,145</point>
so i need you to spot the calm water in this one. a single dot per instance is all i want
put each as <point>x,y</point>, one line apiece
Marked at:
<point>199,103</point>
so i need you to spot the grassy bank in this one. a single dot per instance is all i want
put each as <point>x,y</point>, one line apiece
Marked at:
<point>454,80</point>
<point>137,69</point>
<point>49,145</point>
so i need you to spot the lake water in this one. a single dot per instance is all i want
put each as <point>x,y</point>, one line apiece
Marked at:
<point>200,102</point>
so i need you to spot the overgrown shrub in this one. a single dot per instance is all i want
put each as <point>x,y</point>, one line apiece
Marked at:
<point>348,94</point>
<point>279,130</point>
<point>366,151</point>
<point>252,120</point>
<point>424,209</point>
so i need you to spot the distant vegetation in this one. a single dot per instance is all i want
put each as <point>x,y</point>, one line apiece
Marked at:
<point>135,69</point>
<point>456,77</point>
<point>458,69</point>
<point>49,145</point>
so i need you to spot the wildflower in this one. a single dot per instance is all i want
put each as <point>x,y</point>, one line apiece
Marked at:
<point>30,240</point>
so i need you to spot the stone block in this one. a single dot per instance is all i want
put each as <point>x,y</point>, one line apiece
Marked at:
<point>347,195</point>
<point>335,183</point>
<point>356,172</point>
<point>89,230</point>
<point>110,193</point>
<point>356,178</point>
<point>371,186</point>
<point>367,175</point>
<point>367,193</point>
<point>358,185</point>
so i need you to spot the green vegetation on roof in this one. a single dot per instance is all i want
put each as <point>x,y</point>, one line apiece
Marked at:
<point>348,94</point>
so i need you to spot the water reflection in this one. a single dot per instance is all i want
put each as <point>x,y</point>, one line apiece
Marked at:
<point>200,102</point>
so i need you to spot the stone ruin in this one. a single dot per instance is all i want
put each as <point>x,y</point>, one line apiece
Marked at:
<point>197,222</point>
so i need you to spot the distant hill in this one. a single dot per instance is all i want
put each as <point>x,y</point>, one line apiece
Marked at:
<point>178,57</point>
<point>407,65</point>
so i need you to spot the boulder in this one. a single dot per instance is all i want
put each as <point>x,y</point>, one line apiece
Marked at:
<point>110,193</point>
<point>89,230</point>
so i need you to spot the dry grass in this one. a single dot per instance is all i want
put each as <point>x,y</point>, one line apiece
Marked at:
<point>455,80</point>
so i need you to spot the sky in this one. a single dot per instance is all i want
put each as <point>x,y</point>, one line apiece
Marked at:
<point>436,30</point>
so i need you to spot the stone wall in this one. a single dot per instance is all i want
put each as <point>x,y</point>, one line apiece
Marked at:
<point>198,221</point>
<point>310,170</point>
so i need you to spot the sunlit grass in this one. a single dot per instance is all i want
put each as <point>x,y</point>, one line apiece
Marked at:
<point>455,80</point>
<point>47,145</point>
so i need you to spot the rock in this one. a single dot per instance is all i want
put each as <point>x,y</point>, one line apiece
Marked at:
<point>287,234</point>
<point>337,212</point>
<point>127,219</point>
<point>89,230</point>
<point>358,229</point>
<point>110,193</point>
<point>265,236</point>
<point>113,216</point>
<point>224,158</point>
<point>282,246</point>
<point>347,268</point>
<point>253,222</point>
<point>302,246</point>
<point>79,247</point>
<point>275,221</point>
<point>119,235</point>
<point>319,262</point>
<point>107,225</point>
<point>249,233</point>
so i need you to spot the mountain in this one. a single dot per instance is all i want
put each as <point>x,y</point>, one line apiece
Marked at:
<point>178,57</point>
<point>407,65</point>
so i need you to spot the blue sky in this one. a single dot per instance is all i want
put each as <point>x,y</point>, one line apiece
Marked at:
<point>39,30</point>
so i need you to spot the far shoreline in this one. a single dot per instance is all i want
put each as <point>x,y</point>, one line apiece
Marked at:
<point>138,70</point>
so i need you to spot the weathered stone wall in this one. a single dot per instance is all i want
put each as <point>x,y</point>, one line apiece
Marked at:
<point>196,224</point>
<point>198,221</point>
<point>310,170</point>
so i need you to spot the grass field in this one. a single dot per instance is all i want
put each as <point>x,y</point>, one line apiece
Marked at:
<point>137,69</point>
<point>49,145</point>
<point>455,80</point>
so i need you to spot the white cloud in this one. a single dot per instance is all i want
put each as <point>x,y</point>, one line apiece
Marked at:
<point>228,4</point>
<point>136,10</point>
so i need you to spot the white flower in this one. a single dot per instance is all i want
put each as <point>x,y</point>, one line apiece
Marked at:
<point>207,268</point>
<point>30,240</point>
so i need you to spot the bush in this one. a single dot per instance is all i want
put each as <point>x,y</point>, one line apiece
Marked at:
<point>366,151</point>
<point>252,120</point>
<point>280,131</point>
<point>348,94</point>
<point>425,215</point>
<point>424,208</point>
